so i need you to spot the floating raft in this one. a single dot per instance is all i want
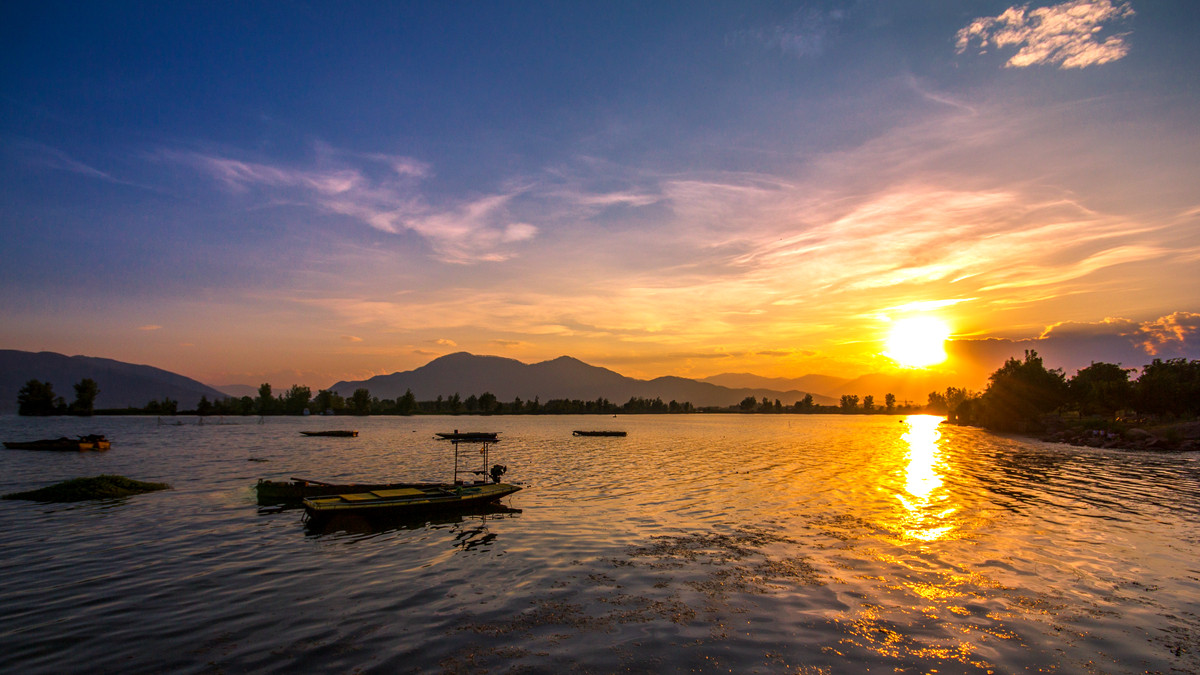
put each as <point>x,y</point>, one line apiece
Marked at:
<point>599,433</point>
<point>94,442</point>
<point>343,433</point>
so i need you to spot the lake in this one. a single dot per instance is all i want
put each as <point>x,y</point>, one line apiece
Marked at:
<point>698,543</point>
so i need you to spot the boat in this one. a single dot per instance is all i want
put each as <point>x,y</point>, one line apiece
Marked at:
<point>599,433</point>
<point>423,499</point>
<point>82,443</point>
<point>293,491</point>
<point>456,435</point>
<point>343,433</point>
<point>470,489</point>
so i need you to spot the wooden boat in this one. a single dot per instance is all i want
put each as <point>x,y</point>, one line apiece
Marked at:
<point>90,442</point>
<point>489,436</point>
<point>343,433</point>
<point>429,499</point>
<point>293,492</point>
<point>599,433</point>
<point>462,494</point>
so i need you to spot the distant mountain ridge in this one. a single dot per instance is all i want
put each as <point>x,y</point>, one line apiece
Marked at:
<point>121,384</point>
<point>908,386</point>
<point>561,378</point>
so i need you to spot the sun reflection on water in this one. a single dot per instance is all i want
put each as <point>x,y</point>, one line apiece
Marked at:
<point>924,503</point>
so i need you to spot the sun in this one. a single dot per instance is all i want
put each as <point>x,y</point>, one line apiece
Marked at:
<point>917,342</point>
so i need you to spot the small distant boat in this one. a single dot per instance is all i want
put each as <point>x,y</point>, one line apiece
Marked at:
<point>425,499</point>
<point>456,435</point>
<point>599,433</point>
<point>82,443</point>
<point>344,433</point>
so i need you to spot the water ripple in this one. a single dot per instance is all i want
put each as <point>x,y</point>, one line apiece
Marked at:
<point>696,543</point>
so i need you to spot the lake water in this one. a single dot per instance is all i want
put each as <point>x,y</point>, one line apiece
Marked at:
<point>701,543</point>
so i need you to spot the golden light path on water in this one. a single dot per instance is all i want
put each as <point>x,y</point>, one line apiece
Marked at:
<point>925,501</point>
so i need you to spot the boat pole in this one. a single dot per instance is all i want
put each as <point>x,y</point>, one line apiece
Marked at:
<point>456,459</point>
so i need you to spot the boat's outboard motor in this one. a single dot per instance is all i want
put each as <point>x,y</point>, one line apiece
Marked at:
<point>498,470</point>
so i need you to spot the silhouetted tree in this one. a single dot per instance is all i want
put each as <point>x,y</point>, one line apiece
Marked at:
<point>327,400</point>
<point>849,403</point>
<point>1102,389</point>
<point>937,403</point>
<point>296,400</point>
<point>805,405</point>
<point>488,403</point>
<point>360,402</point>
<point>266,402</point>
<point>868,404</point>
<point>748,404</point>
<point>37,398</point>
<point>166,406</point>
<point>889,402</point>
<point>1020,393</point>
<point>85,397</point>
<point>1170,387</point>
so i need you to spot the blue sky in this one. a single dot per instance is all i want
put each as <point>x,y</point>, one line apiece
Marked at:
<point>309,192</point>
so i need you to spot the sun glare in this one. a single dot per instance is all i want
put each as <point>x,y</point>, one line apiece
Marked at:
<point>917,342</point>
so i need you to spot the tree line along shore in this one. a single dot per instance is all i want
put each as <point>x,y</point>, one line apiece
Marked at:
<point>1102,405</point>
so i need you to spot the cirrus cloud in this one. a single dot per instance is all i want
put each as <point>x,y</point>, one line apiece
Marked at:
<point>467,231</point>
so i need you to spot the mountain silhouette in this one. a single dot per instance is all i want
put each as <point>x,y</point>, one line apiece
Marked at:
<point>562,378</point>
<point>121,384</point>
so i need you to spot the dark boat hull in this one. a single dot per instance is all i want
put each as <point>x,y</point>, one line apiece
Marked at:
<point>469,436</point>
<point>340,433</point>
<point>599,433</point>
<point>61,444</point>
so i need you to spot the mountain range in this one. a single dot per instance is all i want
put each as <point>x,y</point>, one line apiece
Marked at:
<point>561,378</point>
<point>125,384</point>
<point>121,384</point>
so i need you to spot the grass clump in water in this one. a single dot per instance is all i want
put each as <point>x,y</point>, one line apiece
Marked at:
<point>82,489</point>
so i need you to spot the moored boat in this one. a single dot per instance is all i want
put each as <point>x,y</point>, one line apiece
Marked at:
<point>293,492</point>
<point>425,499</point>
<point>599,433</point>
<point>82,443</point>
<point>469,490</point>
<point>342,433</point>
<point>456,435</point>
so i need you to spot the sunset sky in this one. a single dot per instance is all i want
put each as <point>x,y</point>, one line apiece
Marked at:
<point>305,192</point>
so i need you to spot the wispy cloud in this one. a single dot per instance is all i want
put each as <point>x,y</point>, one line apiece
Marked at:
<point>149,327</point>
<point>466,231</point>
<point>805,33</point>
<point>1067,35</point>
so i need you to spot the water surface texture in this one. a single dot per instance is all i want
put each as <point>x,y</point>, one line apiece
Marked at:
<point>701,543</point>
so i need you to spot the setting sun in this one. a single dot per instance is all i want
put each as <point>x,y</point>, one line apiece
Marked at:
<point>917,342</point>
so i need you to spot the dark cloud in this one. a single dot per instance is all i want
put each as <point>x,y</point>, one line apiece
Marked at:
<point>1074,345</point>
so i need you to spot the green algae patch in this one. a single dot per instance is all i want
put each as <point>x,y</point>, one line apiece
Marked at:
<point>83,489</point>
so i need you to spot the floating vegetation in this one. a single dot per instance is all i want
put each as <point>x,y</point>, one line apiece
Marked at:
<point>82,489</point>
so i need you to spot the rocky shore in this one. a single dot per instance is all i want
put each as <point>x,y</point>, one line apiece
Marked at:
<point>1180,437</point>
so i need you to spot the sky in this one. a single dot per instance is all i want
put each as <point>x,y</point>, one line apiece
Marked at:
<point>308,192</point>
